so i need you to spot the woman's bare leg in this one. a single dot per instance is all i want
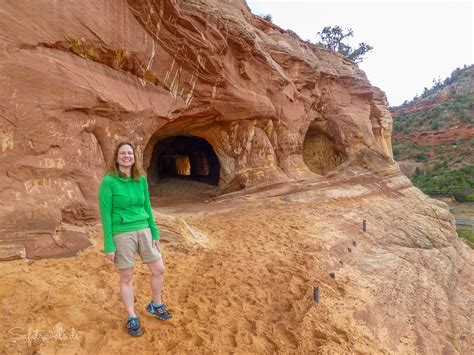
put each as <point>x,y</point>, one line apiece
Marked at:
<point>126,290</point>
<point>157,269</point>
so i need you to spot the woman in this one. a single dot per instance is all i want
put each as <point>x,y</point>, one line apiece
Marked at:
<point>129,227</point>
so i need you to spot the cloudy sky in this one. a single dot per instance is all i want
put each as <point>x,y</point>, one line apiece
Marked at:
<point>414,41</point>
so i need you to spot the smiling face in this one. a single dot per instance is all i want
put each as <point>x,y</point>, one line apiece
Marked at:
<point>125,157</point>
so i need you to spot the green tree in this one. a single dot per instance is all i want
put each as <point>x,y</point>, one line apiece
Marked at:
<point>435,126</point>
<point>267,17</point>
<point>422,157</point>
<point>396,153</point>
<point>333,37</point>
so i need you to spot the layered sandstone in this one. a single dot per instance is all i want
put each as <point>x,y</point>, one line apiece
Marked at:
<point>79,77</point>
<point>297,143</point>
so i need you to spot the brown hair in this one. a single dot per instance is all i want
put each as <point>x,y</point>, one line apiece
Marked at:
<point>113,168</point>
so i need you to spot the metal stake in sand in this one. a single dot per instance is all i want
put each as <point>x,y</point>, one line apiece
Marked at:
<point>364,225</point>
<point>316,294</point>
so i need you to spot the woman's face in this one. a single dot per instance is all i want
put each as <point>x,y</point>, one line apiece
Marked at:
<point>125,156</point>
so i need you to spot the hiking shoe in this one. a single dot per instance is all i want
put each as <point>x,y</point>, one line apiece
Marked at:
<point>133,327</point>
<point>159,311</point>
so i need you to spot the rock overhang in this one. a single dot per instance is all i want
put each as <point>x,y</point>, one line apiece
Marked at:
<point>148,70</point>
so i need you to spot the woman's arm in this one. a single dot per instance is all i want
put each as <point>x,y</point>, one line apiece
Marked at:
<point>155,232</point>
<point>105,206</point>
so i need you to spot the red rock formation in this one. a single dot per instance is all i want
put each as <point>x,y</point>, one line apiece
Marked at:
<point>436,138</point>
<point>79,78</point>
<point>250,106</point>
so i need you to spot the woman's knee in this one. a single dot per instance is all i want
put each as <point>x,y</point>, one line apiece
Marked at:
<point>126,277</point>
<point>157,268</point>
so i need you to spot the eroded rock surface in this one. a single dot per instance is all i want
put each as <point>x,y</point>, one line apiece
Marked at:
<point>78,78</point>
<point>208,90</point>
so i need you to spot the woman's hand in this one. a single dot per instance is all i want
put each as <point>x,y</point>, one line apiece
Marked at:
<point>157,245</point>
<point>110,256</point>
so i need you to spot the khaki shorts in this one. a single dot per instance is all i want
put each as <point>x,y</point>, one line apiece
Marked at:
<point>129,243</point>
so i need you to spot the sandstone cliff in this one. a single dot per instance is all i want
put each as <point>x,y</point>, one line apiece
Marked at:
<point>78,77</point>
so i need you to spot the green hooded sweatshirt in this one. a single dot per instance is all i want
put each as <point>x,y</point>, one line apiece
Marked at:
<point>124,207</point>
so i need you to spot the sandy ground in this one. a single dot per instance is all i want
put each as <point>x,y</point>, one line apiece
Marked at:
<point>240,278</point>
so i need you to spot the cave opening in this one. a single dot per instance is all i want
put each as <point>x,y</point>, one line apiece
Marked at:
<point>183,166</point>
<point>320,151</point>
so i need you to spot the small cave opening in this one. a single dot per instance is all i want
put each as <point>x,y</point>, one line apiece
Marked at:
<point>183,167</point>
<point>320,152</point>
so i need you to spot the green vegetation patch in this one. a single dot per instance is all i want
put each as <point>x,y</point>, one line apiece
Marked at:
<point>438,180</point>
<point>467,234</point>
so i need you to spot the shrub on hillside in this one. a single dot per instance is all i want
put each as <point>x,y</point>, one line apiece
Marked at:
<point>396,153</point>
<point>467,234</point>
<point>439,181</point>
<point>421,157</point>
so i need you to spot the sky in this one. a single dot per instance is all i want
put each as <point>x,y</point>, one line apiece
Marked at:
<point>414,41</point>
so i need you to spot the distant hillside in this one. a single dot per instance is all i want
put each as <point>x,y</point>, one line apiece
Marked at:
<point>433,136</point>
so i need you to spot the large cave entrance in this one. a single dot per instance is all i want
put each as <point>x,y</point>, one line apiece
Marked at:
<point>320,152</point>
<point>182,168</point>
